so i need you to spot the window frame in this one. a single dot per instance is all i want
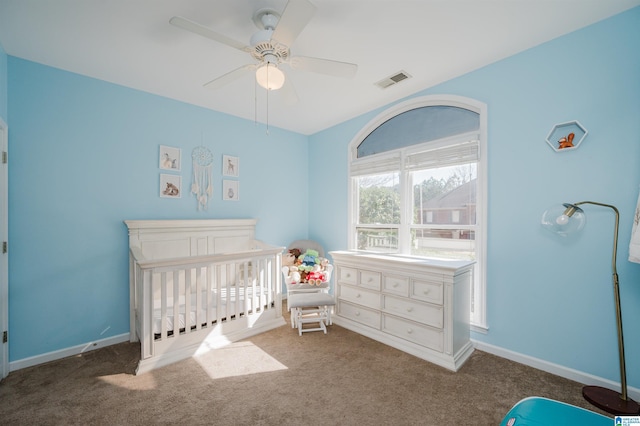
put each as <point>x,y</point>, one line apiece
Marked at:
<point>478,316</point>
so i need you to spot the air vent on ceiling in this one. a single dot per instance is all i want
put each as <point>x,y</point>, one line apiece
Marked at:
<point>393,79</point>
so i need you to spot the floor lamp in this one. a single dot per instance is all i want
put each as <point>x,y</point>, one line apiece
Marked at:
<point>566,219</point>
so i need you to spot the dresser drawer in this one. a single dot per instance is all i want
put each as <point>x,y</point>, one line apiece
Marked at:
<point>429,291</point>
<point>360,296</point>
<point>394,284</point>
<point>347,275</point>
<point>359,314</point>
<point>370,280</point>
<point>413,332</point>
<point>420,312</point>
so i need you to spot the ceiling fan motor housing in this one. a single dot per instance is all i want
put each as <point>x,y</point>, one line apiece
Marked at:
<point>270,51</point>
<point>264,48</point>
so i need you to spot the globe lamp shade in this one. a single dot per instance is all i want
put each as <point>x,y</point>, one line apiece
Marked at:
<point>563,219</point>
<point>269,76</point>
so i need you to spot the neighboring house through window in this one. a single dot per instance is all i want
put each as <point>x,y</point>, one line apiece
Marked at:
<point>418,185</point>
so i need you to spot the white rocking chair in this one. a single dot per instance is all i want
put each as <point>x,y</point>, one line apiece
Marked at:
<point>310,303</point>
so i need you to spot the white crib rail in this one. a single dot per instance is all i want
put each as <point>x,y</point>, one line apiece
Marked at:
<point>176,303</point>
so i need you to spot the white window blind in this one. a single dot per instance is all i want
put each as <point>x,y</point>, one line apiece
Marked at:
<point>372,165</point>
<point>466,152</point>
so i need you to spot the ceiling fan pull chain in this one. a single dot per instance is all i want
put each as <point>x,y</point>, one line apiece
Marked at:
<point>255,102</point>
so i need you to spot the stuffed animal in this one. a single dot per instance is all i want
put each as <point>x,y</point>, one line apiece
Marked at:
<point>309,258</point>
<point>316,277</point>
<point>566,142</point>
<point>295,252</point>
<point>293,275</point>
<point>288,259</point>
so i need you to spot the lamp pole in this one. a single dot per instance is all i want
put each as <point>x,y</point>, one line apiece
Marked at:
<point>606,399</point>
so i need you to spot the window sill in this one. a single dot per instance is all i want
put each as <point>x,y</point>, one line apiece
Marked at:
<point>482,329</point>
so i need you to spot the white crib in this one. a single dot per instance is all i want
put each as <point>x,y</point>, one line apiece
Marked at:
<point>197,285</point>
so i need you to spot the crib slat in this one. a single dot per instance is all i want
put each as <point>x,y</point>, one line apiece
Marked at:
<point>264,295</point>
<point>187,300</point>
<point>218,290</point>
<point>199,315</point>
<point>270,282</point>
<point>146,299</point>
<point>163,305</point>
<point>241,279</point>
<point>209,296</point>
<point>263,281</point>
<point>247,287</point>
<point>254,300</point>
<point>176,303</point>
<point>269,278</point>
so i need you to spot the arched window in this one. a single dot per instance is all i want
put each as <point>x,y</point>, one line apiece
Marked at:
<point>418,184</point>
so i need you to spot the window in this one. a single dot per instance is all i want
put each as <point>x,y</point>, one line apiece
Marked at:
<point>418,185</point>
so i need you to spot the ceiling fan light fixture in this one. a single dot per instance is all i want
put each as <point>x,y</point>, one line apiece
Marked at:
<point>269,76</point>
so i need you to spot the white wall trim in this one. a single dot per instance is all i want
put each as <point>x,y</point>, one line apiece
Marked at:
<point>558,370</point>
<point>64,353</point>
<point>4,260</point>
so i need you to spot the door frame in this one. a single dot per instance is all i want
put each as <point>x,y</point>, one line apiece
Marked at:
<point>4,257</point>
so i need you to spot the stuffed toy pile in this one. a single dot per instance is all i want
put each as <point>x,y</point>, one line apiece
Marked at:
<point>305,268</point>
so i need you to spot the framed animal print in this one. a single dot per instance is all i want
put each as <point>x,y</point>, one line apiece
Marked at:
<point>230,190</point>
<point>169,158</point>
<point>230,166</point>
<point>170,186</point>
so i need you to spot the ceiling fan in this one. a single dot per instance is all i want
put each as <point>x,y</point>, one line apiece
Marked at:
<point>270,47</point>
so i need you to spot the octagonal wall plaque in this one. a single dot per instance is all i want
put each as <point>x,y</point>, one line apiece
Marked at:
<point>566,136</point>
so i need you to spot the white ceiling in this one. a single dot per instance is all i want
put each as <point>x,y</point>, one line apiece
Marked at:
<point>131,43</point>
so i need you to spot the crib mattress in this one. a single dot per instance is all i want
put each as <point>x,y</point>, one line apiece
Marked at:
<point>228,299</point>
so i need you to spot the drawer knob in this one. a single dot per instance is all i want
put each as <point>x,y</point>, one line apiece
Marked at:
<point>409,309</point>
<point>395,284</point>
<point>409,331</point>
<point>357,313</point>
<point>348,275</point>
<point>358,295</point>
<point>427,291</point>
<point>370,279</point>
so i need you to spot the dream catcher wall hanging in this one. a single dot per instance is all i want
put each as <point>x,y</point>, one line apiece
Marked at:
<point>202,186</point>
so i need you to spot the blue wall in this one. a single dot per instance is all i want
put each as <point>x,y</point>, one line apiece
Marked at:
<point>547,299</point>
<point>3,84</point>
<point>84,158</point>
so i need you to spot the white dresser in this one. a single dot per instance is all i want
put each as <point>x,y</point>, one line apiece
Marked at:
<point>420,306</point>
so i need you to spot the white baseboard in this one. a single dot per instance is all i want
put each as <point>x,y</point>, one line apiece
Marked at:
<point>63,353</point>
<point>558,370</point>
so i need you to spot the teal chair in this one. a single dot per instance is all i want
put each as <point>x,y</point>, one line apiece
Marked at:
<point>536,411</point>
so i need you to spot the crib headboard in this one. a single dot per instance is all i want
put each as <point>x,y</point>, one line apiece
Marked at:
<point>164,239</point>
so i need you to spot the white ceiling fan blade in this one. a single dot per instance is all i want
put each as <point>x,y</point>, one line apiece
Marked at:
<point>323,66</point>
<point>229,77</point>
<point>294,18</point>
<point>199,29</point>
<point>288,92</point>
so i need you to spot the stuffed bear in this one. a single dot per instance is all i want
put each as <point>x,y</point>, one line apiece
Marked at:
<point>293,276</point>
